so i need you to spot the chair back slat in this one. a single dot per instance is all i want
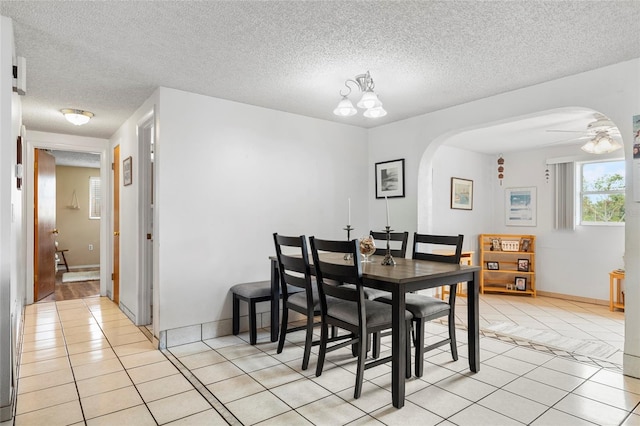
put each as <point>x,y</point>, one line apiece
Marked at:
<point>452,242</point>
<point>294,268</point>
<point>328,273</point>
<point>394,238</point>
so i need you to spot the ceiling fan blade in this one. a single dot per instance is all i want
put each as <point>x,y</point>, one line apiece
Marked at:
<point>568,131</point>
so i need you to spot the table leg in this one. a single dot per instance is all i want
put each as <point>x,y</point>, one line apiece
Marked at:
<point>473,322</point>
<point>275,301</point>
<point>611,292</point>
<point>398,347</point>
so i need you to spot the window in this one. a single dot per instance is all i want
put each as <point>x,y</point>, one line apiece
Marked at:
<point>602,192</point>
<point>95,198</point>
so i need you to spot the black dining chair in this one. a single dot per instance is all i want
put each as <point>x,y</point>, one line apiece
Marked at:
<point>426,308</point>
<point>397,239</point>
<point>347,308</point>
<point>299,291</point>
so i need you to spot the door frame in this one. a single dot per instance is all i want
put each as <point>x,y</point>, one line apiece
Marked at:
<point>147,258</point>
<point>62,142</point>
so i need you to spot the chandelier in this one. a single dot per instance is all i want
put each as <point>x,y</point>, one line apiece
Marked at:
<point>369,101</point>
<point>601,143</point>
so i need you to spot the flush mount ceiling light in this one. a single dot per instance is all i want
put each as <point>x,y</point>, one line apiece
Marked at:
<point>602,143</point>
<point>77,116</point>
<point>369,100</point>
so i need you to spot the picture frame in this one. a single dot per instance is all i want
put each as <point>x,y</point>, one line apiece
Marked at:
<point>496,244</point>
<point>127,171</point>
<point>493,266</point>
<point>520,283</point>
<point>525,244</point>
<point>520,206</point>
<point>461,194</point>
<point>389,176</point>
<point>523,265</point>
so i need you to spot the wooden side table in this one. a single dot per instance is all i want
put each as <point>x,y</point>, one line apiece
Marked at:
<point>616,295</point>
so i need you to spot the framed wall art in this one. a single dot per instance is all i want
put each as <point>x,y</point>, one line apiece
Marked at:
<point>390,179</point>
<point>461,194</point>
<point>127,171</point>
<point>520,206</point>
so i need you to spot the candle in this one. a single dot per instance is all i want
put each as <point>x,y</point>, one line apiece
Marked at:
<point>349,221</point>
<point>386,200</point>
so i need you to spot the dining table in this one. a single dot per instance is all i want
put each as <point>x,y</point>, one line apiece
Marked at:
<point>406,276</point>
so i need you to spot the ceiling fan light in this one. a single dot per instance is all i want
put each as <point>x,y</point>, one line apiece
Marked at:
<point>376,112</point>
<point>345,108</point>
<point>589,147</point>
<point>369,100</point>
<point>602,143</point>
<point>77,117</point>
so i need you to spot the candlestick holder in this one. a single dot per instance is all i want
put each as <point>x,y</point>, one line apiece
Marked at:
<point>348,256</point>
<point>388,259</point>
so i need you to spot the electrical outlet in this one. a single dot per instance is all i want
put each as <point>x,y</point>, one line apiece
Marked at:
<point>90,247</point>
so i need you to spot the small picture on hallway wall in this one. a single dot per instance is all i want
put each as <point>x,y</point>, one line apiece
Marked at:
<point>127,175</point>
<point>390,179</point>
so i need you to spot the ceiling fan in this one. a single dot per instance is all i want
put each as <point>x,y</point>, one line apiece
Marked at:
<point>602,136</point>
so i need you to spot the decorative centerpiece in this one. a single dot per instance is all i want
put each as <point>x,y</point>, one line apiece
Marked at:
<point>388,259</point>
<point>367,247</point>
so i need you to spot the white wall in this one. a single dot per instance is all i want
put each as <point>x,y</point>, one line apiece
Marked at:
<point>592,251</point>
<point>228,176</point>
<point>613,91</point>
<point>130,228</point>
<point>12,259</point>
<point>454,162</point>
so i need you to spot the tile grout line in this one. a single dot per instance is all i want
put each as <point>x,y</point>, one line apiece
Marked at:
<point>124,369</point>
<point>218,406</point>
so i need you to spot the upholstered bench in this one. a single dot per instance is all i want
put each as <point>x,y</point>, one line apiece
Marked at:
<point>252,293</point>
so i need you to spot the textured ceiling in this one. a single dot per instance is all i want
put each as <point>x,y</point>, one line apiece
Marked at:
<point>294,56</point>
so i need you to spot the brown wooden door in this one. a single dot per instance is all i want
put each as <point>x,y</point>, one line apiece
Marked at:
<point>44,225</point>
<point>116,224</point>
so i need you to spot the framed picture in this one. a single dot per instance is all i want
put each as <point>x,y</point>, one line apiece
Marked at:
<point>521,283</point>
<point>461,194</point>
<point>493,266</point>
<point>520,206</point>
<point>127,171</point>
<point>525,244</point>
<point>523,265</point>
<point>390,179</point>
<point>496,244</point>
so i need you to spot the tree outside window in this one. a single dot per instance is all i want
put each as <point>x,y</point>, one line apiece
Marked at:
<point>602,194</point>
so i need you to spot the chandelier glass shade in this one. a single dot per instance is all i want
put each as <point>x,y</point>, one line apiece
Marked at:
<point>369,100</point>
<point>345,108</point>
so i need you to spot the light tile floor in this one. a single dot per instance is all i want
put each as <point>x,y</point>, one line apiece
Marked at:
<point>84,362</point>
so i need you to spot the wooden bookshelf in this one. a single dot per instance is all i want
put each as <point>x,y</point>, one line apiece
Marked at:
<point>508,264</point>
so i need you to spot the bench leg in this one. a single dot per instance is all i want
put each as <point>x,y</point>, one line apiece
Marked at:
<point>252,322</point>
<point>236,315</point>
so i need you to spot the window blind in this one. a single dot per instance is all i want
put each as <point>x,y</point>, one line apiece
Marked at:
<point>95,198</point>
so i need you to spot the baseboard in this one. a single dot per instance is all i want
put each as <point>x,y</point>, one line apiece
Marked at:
<point>573,298</point>
<point>75,267</point>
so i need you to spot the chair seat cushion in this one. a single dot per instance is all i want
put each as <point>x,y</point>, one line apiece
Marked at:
<point>378,314</point>
<point>300,299</point>
<point>422,306</point>
<point>253,289</point>
<point>371,293</point>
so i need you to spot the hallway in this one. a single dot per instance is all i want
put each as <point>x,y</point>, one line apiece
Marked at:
<point>84,362</point>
